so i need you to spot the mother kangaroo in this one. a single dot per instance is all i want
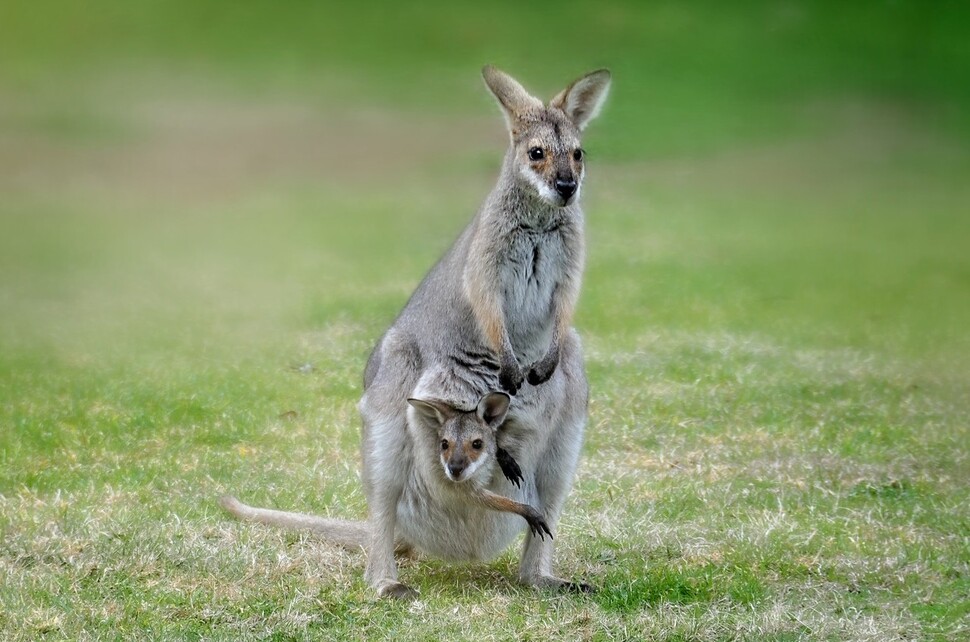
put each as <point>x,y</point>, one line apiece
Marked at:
<point>494,312</point>
<point>499,303</point>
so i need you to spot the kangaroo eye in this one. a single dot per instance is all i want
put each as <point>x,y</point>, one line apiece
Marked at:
<point>536,154</point>
<point>444,444</point>
<point>477,444</point>
<point>578,155</point>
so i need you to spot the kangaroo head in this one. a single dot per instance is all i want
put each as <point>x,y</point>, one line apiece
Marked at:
<point>466,439</point>
<point>546,152</point>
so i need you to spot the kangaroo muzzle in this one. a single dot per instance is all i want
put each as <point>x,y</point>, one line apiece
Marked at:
<point>565,187</point>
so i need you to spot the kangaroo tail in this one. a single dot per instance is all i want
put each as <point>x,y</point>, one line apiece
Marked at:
<point>346,533</point>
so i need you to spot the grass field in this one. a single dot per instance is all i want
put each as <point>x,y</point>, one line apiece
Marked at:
<point>209,213</point>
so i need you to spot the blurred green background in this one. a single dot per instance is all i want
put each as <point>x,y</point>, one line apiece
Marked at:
<point>788,167</point>
<point>209,211</point>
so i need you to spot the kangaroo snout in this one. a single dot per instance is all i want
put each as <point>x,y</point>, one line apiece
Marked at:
<point>566,187</point>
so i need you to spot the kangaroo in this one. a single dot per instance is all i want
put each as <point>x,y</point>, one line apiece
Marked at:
<point>494,313</point>
<point>468,445</point>
<point>503,295</point>
<point>457,484</point>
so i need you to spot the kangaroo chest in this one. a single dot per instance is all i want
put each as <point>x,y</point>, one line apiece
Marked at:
<point>533,266</point>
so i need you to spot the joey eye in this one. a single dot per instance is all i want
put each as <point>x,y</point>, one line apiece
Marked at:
<point>477,444</point>
<point>536,154</point>
<point>578,155</point>
<point>444,444</point>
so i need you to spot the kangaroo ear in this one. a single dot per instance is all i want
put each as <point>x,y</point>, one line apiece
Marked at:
<point>433,410</point>
<point>582,100</point>
<point>511,96</point>
<point>493,407</point>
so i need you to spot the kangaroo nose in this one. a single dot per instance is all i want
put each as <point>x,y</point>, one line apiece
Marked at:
<point>565,187</point>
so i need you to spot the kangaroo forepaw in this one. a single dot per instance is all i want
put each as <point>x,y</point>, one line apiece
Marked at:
<point>537,377</point>
<point>510,467</point>
<point>510,378</point>
<point>542,370</point>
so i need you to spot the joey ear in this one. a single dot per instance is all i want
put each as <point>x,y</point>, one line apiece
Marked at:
<point>511,96</point>
<point>582,100</point>
<point>493,408</point>
<point>433,410</point>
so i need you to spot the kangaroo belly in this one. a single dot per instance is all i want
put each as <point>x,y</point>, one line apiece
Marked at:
<point>455,528</point>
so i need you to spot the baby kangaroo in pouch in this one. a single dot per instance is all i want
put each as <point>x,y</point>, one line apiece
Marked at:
<point>468,450</point>
<point>495,313</point>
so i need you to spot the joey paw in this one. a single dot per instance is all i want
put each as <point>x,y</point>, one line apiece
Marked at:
<point>538,525</point>
<point>510,467</point>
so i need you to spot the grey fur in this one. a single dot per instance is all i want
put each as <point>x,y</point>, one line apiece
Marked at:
<point>494,311</point>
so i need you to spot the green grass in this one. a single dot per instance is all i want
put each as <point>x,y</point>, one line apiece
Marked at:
<point>209,214</point>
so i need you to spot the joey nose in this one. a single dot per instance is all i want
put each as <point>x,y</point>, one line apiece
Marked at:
<point>565,187</point>
<point>455,470</point>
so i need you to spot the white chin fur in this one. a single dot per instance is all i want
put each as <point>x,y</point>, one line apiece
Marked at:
<point>545,192</point>
<point>465,474</point>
